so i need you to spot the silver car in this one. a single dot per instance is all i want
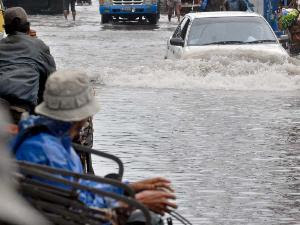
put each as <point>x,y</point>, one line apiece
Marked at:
<point>206,32</point>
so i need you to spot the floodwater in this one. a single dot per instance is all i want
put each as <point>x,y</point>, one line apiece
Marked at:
<point>224,129</point>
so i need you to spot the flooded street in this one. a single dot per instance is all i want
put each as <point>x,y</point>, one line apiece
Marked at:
<point>224,129</point>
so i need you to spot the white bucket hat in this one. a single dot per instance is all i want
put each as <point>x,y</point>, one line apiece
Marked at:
<point>68,97</point>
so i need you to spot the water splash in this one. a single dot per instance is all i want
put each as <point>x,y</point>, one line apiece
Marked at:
<point>247,70</point>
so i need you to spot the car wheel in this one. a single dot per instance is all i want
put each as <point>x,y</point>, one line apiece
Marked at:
<point>105,18</point>
<point>153,19</point>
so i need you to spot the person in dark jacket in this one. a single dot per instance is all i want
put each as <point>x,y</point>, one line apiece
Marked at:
<point>25,62</point>
<point>68,102</point>
<point>236,5</point>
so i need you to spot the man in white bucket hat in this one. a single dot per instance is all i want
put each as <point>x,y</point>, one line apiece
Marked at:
<point>68,97</point>
<point>68,102</point>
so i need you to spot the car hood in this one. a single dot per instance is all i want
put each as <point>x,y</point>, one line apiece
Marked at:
<point>259,50</point>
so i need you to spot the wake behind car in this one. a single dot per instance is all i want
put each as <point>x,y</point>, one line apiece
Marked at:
<point>201,33</point>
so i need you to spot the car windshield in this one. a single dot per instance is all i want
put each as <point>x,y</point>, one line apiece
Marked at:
<point>230,30</point>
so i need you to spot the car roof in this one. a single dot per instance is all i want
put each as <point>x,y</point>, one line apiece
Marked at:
<point>222,14</point>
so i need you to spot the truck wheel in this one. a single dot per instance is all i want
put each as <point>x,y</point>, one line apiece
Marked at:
<point>105,19</point>
<point>153,19</point>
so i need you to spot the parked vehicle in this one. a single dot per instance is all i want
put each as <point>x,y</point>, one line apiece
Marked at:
<point>129,10</point>
<point>37,7</point>
<point>200,33</point>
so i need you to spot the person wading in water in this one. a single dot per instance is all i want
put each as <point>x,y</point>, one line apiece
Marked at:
<point>174,5</point>
<point>66,5</point>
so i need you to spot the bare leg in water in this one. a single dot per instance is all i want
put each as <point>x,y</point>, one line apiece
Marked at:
<point>169,17</point>
<point>74,15</point>
<point>170,11</point>
<point>66,13</point>
<point>177,10</point>
<point>73,9</point>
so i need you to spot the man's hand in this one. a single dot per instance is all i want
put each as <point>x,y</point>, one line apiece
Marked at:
<point>157,183</point>
<point>32,33</point>
<point>157,201</point>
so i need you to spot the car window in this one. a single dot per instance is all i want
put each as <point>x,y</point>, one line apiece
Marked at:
<point>180,28</point>
<point>229,29</point>
<point>184,29</point>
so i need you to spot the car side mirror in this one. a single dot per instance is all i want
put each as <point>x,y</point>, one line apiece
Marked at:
<point>177,41</point>
<point>283,38</point>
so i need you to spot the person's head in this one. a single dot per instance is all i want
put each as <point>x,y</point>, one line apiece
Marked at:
<point>68,97</point>
<point>15,20</point>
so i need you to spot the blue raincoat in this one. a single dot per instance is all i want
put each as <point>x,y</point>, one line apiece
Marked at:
<point>53,148</point>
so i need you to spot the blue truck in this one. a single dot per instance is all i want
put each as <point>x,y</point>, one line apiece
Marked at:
<point>129,10</point>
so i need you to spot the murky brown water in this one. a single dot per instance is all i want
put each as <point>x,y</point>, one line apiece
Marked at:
<point>224,129</point>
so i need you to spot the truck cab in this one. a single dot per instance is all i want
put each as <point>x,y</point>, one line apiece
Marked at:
<point>129,10</point>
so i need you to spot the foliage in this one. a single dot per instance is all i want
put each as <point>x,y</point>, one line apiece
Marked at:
<point>287,18</point>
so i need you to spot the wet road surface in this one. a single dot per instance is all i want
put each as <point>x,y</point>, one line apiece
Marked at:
<point>224,129</point>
